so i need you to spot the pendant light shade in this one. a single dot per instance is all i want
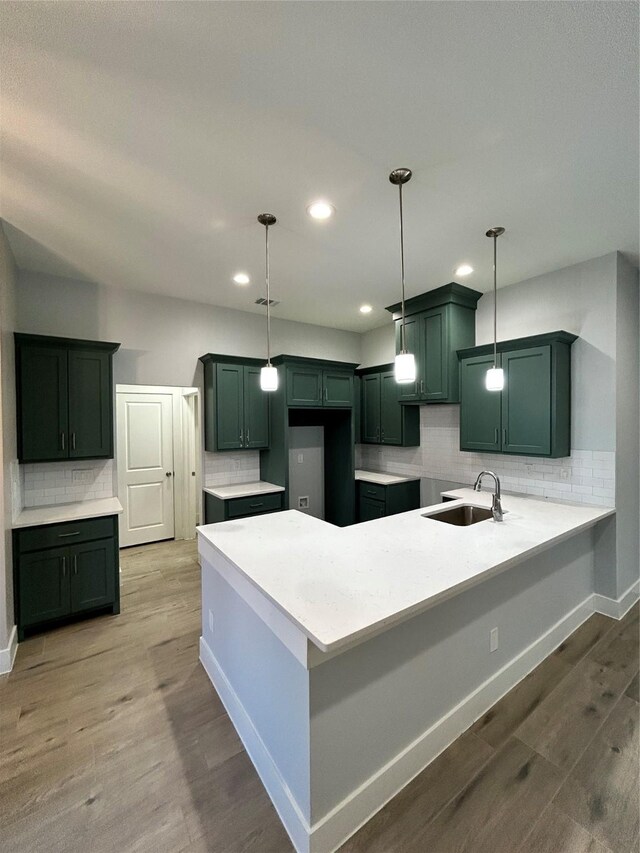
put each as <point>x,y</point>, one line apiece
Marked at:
<point>494,379</point>
<point>268,374</point>
<point>405,363</point>
<point>269,378</point>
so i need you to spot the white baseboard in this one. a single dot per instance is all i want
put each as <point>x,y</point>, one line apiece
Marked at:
<point>332,830</point>
<point>8,655</point>
<point>617,607</point>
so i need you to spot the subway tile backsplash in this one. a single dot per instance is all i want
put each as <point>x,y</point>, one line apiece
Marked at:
<point>587,476</point>
<point>46,483</point>
<point>221,469</point>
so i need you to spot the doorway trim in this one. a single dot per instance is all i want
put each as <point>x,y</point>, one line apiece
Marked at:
<point>187,461</point>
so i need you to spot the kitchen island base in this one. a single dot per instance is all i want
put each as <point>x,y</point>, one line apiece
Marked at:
<point>335,735</point>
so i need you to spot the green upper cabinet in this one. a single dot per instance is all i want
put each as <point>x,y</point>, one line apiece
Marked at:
<point>384,420</point>
<point>313,383</point>
<point>236,409</point>
<point>531,416</point>
<point>438,323</point>
<point>64,398</point>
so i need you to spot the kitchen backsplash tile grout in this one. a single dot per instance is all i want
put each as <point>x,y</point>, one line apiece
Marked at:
<point>231,468</point>
<point>52,483</point>
<point>586,476</point>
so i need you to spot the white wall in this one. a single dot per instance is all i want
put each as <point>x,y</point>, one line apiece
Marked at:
<point>627,426</point>
<point>162,337</point>
<point>8,448</point>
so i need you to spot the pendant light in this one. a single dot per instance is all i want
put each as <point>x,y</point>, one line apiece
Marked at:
<point>268,374</point>
<point>495,375</point>
<point>405,363</point>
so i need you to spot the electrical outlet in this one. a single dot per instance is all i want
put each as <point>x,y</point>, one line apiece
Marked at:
<point>303,503</point>
<point>300,457</point>
<point>529,470</point>
<point>564,473</point>
<point>81,475</point>
<point>493,640</point>
<point>211,620</point>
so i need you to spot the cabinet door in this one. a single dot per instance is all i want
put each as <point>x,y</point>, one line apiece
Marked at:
<point>434,348</point>
<point>369,509</point>
<point>229,406</point>
<point>90,405</point>
<point>410,391</point>
<point>43,586</point>
<point>479,408</point>
<point>93,574</point>
<point>256,410</point>
<point>390,410</point>
<point>371,408</point>
<point>304,386</point>
<point>338,389</point>
<point>43,433</point>
<point>526,401</point>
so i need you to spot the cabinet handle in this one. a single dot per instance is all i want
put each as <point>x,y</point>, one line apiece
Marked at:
<point>64,535</point>
<point>496,438</point>
<point>64,567</point>
<point>75,564</point>
<point>422,386</point>
<point>326,393</point>
<point>504,437</point>
<point>370,492</point>
<point>246,441</point>
<point>241,445</point>
<point>73,441</point>
<point>62,441</point>
<point>255,506</point>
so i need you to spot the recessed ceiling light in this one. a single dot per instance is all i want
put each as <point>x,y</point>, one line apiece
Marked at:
<point>241,278</point>
<point>366,309</point>
<point>321,210</point>
<point>464,269</point>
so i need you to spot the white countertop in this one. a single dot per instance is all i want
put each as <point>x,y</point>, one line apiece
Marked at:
<point>244,490</point>
<point>342,584</point>
<point>31,516</point>
<point>382,479</point>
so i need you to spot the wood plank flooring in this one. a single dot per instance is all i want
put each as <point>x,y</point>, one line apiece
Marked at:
<point>113,740</point>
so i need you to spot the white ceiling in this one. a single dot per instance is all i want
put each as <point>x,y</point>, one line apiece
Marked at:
<point>141,140</point>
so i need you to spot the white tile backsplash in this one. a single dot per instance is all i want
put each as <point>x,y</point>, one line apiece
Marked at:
<point>586,476</point>
<point>228,468</point>
<point>47,483</point>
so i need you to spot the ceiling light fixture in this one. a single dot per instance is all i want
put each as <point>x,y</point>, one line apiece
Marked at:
<point>321,210</point>
<point>241,278</point>
<point>464,269</point>
<point>268,374</point>
<point>495,375</point>
<point>405,363</point>
<point>366,309</point>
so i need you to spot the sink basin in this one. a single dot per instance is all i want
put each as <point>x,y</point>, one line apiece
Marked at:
<point>461,516</point>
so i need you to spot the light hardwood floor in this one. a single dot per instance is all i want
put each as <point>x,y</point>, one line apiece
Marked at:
<point>113,740</point>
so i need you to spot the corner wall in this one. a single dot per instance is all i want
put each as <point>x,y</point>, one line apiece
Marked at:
<point>8,446</point>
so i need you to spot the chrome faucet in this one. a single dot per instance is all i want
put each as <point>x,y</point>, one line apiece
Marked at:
<point>496,506</point>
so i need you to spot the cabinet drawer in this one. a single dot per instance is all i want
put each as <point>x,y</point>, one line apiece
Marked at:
<point>68,533</point>
<point>372,490</point>
<point>238,507</point>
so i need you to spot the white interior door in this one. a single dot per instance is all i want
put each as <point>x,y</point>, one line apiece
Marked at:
<point>145,467</point>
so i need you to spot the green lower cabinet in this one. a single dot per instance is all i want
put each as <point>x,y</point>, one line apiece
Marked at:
<point>224,509</point>
<point>384,420</point>
<point>375,500</point>
<point>45,592</point>
<point>531,416</point>
<point>53,582</point>
<point>368,509</point>
<point>92,575</point>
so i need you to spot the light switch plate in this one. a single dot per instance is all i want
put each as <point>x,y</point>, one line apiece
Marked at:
<point>300,457</point>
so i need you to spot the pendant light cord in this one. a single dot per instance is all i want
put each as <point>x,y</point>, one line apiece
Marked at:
<point>403,346</point>
<point>495,299</point>
<point>266,229</point>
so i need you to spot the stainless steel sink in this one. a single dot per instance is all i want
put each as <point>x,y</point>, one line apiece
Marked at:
<point>461,516</point>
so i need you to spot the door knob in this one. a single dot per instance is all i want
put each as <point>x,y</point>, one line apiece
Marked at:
<point>169,473</point>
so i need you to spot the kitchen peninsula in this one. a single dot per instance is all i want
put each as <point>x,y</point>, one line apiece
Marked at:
<point>372,642</point>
